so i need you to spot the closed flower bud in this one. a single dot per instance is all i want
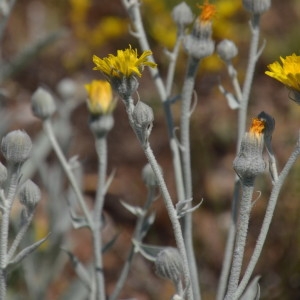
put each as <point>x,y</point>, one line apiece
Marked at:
<point>168,264</point>
<point>142,116</point>
<point>182,15</point>
<point>257,6</point>
<point>42,103</point>
<point>30,195</point>
<point>227,50</point>
<point>16,146</point>
<point>3,174</point>
<point>149,176</point>
<point>249,161</point>
<point>66,88</point>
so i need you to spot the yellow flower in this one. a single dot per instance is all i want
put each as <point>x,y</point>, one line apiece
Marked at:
<point>100,97</point>
<point>125,64</point>
<point>208,11</point>
<point>288,73</point>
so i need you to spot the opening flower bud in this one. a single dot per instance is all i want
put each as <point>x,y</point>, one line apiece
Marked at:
<point>249,161</point>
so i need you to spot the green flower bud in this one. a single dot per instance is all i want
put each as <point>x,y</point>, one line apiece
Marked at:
<point>42,103</point>
<point>182,15</point>
<point>168,264</point>
<point>66,88</point>
<point>30,195</point>
<point>143,117</point>
<point>16,146</point>
<point>149,176</point>
<point>227,50</point>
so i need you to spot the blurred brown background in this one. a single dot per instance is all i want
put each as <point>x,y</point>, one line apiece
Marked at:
<point>101,27</point>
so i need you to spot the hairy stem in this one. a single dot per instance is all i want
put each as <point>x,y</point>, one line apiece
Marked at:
<point>101,149</point>
<point>267,221</point>
<point>66,167</point>
<point>187,92</point>
<point>242,118</point>
<point>242,230</point>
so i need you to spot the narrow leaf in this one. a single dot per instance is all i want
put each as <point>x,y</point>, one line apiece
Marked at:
<point>25,252</point>
<point>80,270</point>
<point>135,210</point>
<point>108,245</point>
<point>148,251</point>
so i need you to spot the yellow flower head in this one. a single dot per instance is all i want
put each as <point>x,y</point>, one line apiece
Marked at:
<point>257,126</point>
<point>100,97</point>
<point>288,73</point>
<point>208,11</point>
<point>125,64</point>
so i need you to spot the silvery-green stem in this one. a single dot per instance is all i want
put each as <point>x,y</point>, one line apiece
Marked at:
<point>187,92</point>
<point>101,149</point>
<point>171,69</point>
<point>173,218</point>
<point>135,15</point>
<point>229,244</point>
<point>164,92</point>
<point>242,229</point>
<point>267,221</point>
<point>66,167</point>
<point>253,52</point>
<point>136,237</point>
<point>9,194</point>
<point>167,199</point>
<point>168,114</point>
